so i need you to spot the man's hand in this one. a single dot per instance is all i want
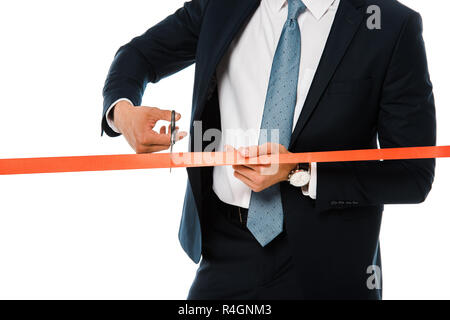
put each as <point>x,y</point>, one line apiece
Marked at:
<point>137,123</point>
<point>261,177</point>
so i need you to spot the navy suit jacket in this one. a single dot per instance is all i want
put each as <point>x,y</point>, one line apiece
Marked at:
<point>370,84</point>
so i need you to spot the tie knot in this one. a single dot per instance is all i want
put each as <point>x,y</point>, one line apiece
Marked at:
<point>295,8</point>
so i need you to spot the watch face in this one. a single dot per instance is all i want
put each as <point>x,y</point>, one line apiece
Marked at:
<point>300,178</point>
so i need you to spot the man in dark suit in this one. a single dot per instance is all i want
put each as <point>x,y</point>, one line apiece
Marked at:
<point>351,85</point>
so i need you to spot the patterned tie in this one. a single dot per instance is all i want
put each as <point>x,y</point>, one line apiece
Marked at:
<point>265,214</point>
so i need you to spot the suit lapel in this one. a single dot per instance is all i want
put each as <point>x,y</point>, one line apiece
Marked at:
<point>228,21</point>
<point>346,23</point>
<point>233,15</point>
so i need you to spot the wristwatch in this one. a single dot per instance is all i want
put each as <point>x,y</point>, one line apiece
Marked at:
<point>300,176</point>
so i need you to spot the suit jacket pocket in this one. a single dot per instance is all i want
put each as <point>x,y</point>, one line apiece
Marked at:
<point>360,213</point>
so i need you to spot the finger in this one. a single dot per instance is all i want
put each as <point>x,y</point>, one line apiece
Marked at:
<point>153,138</point>
<point>180,135</point>
<point>161,139</point>
<point>160,114</point>
<point>258,168</point>
<point>249,152</point>
<point>244,151</point>
<point>271,148</point>
<point>150,149</point>
<point>238,167</point>
<point>162,130</point>
<point>247,172</point>
<point>245,180</point>
<point>245,166</point>
<point>265,149</point>
<point>253,153</point>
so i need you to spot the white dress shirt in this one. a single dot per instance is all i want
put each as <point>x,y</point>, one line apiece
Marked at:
<point>243,77</point>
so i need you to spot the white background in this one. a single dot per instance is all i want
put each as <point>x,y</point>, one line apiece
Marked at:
<point>113,235</point>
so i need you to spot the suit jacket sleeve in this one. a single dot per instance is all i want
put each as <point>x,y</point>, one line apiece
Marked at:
<point>164,49</point>
<point>406,119</point>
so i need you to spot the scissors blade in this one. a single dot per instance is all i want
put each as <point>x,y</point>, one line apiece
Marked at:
<point>171,149</point>
<point>172,136</point>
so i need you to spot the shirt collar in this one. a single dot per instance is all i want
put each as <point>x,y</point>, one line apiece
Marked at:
<point>317,7</point>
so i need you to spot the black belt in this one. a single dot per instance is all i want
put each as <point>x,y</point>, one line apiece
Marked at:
<point>233,213</point>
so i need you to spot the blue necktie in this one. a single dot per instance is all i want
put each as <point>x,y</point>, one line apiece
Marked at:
<point>265,215</point>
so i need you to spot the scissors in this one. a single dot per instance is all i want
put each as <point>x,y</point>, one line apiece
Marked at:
<point>173,134</point>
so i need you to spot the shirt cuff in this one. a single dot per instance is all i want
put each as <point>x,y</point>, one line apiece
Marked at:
<point>108,115</point>
<point>311,189</point>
